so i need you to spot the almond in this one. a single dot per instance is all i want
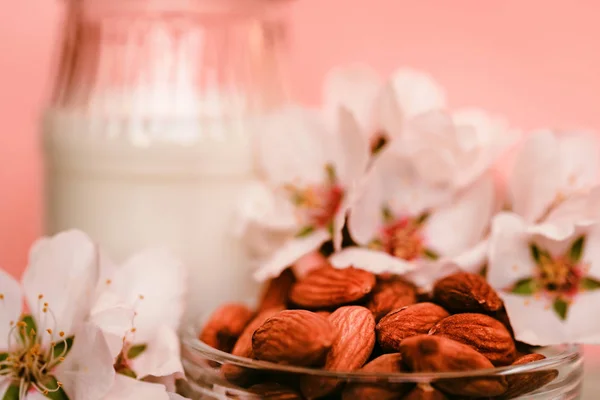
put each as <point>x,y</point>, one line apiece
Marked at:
<point>426,353</point>
<point>277,291</point>
<point>387,363</point>
<point>294,337</point>
<point>416,319</point>
<point>328,287</point>
<point>274,391</point>
<point>465,292</point>
<point>390,294</point>
<point>243,348</point>
<point>350,350</point>
<point>520,384</point>
<point>225,325</point>
<point>424,392</point>
<point>483,333</point>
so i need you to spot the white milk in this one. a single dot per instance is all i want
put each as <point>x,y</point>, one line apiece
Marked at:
<point>148,141</point>
<point>172,182</point>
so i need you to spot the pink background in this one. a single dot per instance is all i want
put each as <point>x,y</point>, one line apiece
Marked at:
<point>535,61</point>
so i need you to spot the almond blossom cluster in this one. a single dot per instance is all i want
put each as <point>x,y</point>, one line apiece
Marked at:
<point>387,178</point>
<point>79,326</point>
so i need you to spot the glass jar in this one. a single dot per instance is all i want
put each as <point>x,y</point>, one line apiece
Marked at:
<point>206,381</point>
<point>148,138</point>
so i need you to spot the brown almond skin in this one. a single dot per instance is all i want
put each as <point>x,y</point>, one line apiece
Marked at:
<point>483,333</point>
<point>391,294</point>
<point>243,348</point>
<point>388,363</point>
<point>521,384</point>
<point>416,319</point>
<point>349,352</point>
<point>425,353</point>
<point>294,337</point>
<point>225,325</point>
<point>327,287</point>
<point>277,291</point>
<point>274,391</point>
<point>424,392</point>
<point>465,292</point>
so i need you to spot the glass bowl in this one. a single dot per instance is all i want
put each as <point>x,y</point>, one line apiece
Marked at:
<point>206,380</point>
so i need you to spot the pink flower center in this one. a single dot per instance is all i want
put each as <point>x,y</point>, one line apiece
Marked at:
<point>559,275</point>
<point>402,239</point>
<point>317,204</point>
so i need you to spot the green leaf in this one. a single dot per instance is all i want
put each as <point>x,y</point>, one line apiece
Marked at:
<point>58,349</point>
<point>55,395</point>
<point>525,287</point>
<point>560,308</point>
<point>387,214</point>
<point>135,351</point>
<point>305,231</point>
<point>589,284</point>
<point>127,372</point>
<point>31,328</point>
<point>577,249</point>
<point>330,228</point>
<point>331,174</point>
<point>12,393</point>
<point>430,254</point>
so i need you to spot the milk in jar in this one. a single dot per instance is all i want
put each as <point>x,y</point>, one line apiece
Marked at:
<point>148,139</point>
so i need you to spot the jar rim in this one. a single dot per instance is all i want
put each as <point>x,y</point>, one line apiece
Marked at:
<point>217,7</point>
<point>194,348</point>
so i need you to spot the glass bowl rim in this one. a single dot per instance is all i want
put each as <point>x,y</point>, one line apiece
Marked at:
<point>192,345</point>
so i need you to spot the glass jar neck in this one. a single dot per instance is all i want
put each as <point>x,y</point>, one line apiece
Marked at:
<point>182,57</point>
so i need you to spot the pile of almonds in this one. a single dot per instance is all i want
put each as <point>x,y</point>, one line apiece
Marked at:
<point>349,319</point>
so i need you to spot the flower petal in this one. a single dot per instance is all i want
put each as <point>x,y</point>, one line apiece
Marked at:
<point>126,388</point>
<point>373,261</point>
<point>509,251</point>
<point>534,321</point>
<point>533,183</point>
<point>426,273</point>
<point>175,396</point>
<point>294,145</point>
<point>453,229</point>
<point>161,357</point>
<point>153,283</point>
<point>417,92</point>
<point>581,328</point>
<point>11,301</point>
<point>307,263</point>
<point>114,318</point>
<point>355,149</point>
<point>473,259</point>
<point>64,269</point>
<point>583,208</point>
<point>87,372</point>
<point>356,157</point>
<point>291,252</point>
<point>354,87</point>
<point>35,395</point>
<point>4,385</point>
<point>407,94</point>
<point>365,208</point>
<point>264,221</point>
<point>551,167</point>
<point>579,156</point>
<point>487,138</point>
<point>591,251</point>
